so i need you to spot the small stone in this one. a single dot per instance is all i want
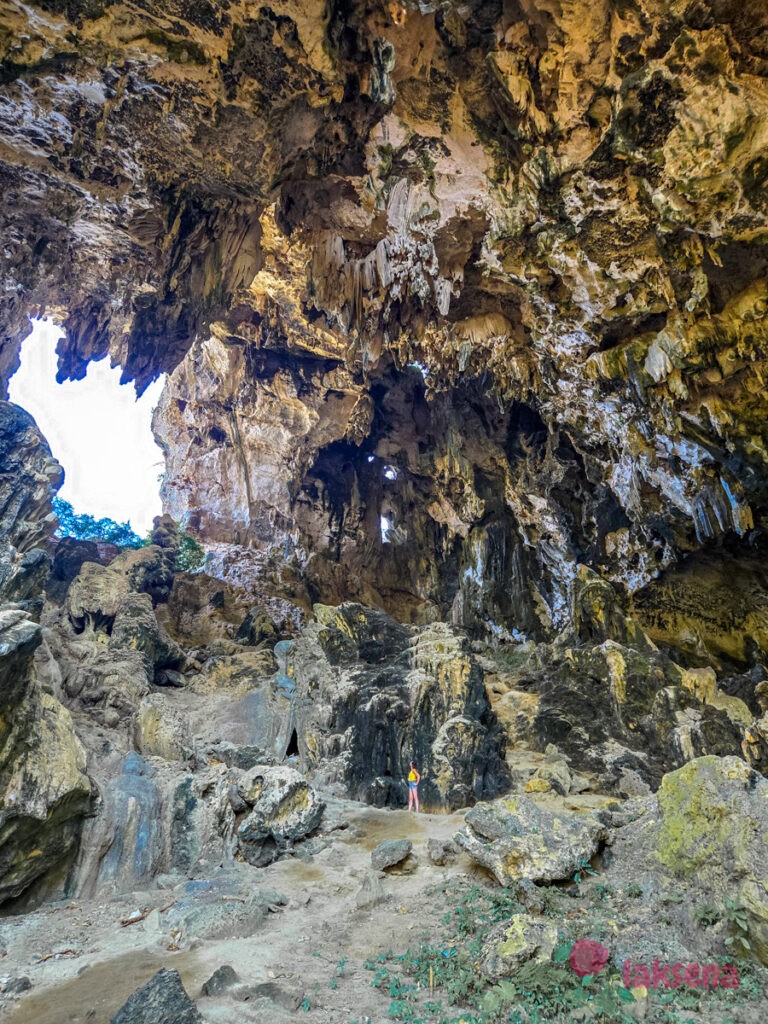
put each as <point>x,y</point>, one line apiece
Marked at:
<point>371,892</point>
<point>514,942</point>
<point>538,786</point>
<point>222,979</point>
<point>15,986</point>
<point>390,852</point>
<point>442,851</point>
<point>269,990</point>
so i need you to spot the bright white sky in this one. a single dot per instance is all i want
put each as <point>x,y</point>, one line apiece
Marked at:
<point>98,430</point>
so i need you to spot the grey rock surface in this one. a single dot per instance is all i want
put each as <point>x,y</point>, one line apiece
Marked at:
<point>163,1000</point>
<point>390,852</point>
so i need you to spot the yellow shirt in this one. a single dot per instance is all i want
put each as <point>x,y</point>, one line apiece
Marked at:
<point>412,776</point>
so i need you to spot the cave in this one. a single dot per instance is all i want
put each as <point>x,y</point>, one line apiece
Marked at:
<point>451,321</point>
<point>292,750</point>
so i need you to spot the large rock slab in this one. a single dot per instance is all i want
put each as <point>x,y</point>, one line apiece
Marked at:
<point>516,839</point>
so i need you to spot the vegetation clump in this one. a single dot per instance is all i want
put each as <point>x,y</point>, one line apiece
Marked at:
<point>190,554</point>
<point>87,527</point>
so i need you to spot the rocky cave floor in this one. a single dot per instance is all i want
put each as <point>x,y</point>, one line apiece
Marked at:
<point>323,937</point>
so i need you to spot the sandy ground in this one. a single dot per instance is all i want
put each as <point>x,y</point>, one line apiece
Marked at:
<point>313,924</point>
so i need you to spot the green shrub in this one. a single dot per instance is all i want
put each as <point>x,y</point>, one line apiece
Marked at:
<point>706,915</point>
<point>190,556</point>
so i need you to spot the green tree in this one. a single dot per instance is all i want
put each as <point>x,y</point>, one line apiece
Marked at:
<point>86,527</point>
<point>190,555</point>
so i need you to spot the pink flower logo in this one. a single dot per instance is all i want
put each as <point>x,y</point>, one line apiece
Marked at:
<point>588,957</point>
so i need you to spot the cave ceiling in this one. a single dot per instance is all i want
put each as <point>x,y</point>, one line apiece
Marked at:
<point>514,253</point>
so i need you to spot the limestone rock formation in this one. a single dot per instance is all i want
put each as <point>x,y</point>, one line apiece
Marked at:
<point>612,702</point>
<point>123,845</point>
<point>44,789</point>
<point>372,696</point>
<point>43,786</point>
<point>488,281</point>
<point>30,476</point>
<point>464,311</point>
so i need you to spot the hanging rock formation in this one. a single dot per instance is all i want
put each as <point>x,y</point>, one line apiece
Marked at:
<point>534,208</point>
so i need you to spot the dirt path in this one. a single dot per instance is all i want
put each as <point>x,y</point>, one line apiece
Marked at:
<point>312,948</point>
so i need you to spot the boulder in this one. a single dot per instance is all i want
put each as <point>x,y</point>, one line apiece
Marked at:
<point>163,998</point>
<point>516,839</point>
<point>713,830</point>
<point>202,827</point>
<point>284,809</point>
<point>390,852</point>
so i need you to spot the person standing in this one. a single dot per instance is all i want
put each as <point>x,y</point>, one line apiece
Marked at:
<point>413,788</point>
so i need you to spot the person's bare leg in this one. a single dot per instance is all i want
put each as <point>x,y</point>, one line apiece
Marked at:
<point>416,799</point>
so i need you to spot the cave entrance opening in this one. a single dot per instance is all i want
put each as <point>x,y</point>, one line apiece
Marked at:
<point>293,745</point>
<point>101,434</point>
